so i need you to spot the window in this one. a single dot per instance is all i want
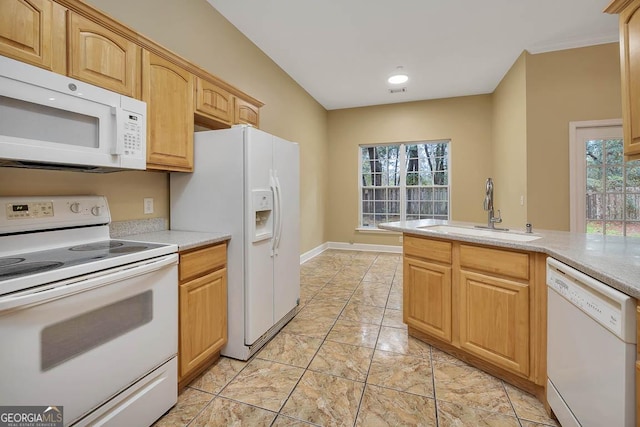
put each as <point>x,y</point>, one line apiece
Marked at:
<point>613,189</point>
<point>605,189</point>
<point>403,182</point>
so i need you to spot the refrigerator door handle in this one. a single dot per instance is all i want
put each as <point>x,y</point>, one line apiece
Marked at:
<point>279,208</point>
<point>276,212</point>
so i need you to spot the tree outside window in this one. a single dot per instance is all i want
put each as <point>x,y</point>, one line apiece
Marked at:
<point>404,181</point>
<point>613,189</point>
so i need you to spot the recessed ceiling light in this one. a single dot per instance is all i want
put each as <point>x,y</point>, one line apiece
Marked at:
<point>398,76</point>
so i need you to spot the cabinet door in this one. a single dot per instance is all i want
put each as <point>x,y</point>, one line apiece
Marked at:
<point>630,67</point>
<point>203,319</point>
<point>33,31</point>
<point>246,113</point>
<point>168,91</point>
<point>214,102</point>
<point>494,320</point>
<point>427,297</point>
<point>103,58</point>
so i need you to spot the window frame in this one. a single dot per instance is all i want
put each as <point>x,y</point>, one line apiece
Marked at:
<point>402,159</point>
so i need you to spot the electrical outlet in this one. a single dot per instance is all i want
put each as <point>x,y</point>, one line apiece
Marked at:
<point>521,200</point>
<point>400,239</point>
<point>148,205</point>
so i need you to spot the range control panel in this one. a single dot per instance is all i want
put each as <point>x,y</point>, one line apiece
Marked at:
<point>29,210</point>
<point>20,214</point>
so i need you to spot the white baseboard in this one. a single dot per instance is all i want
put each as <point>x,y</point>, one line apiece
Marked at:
<point>365,247</point>
<point>313,252</point>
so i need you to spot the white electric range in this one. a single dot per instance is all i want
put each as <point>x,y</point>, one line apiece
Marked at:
<point>87,323</point>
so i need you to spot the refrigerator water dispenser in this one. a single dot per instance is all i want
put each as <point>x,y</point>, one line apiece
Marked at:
<point>262,210</point>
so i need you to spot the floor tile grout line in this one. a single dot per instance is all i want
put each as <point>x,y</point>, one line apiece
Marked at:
<point>324,340</point>
<point>433,384</point>
<point>513,407</point>
<point>366,378</point>
<point>315,354</point>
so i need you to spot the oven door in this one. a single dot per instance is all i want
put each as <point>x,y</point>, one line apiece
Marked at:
<point>79,344</point>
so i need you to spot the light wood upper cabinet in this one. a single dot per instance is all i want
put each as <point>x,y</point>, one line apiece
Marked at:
<point>494,320</point>
<point>630,71</point>
<point>33,31</point>
<point>246,113</point>
<point>214,102</point>
<point>168,91</point>
<point>103,58</point>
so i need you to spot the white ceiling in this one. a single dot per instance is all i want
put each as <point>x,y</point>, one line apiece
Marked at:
<point>342,51</point>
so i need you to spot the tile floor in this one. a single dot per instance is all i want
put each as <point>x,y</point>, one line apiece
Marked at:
<point>346,360</point>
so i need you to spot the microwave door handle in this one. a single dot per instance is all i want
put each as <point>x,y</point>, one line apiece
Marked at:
<point>118,148</point>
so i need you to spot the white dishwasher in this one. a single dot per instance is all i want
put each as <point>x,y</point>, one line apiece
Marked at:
<point>591,350</point>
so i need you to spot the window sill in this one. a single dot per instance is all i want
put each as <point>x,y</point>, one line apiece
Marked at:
<point>375,231</point>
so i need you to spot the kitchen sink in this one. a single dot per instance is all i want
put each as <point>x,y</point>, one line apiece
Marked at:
<point>482,232</point>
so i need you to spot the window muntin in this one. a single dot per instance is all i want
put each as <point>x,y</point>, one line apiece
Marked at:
<point>403,181</point>
<point>612,189</point>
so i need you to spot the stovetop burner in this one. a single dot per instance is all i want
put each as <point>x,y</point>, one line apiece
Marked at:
<point>127,249</point>
<point>116,252</point>
<point>8,261</point>
<point>19,269</point>
<point>97,246</point>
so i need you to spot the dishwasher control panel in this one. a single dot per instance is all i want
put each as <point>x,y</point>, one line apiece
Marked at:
<point>599,301</point>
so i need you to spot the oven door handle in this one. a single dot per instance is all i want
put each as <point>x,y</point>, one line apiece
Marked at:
<point>84,283</point>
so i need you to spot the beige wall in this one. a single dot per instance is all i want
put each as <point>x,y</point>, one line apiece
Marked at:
<point>509,145</point>
<point>197,32</point>
<point>569,85</point>
<point>465,120</point>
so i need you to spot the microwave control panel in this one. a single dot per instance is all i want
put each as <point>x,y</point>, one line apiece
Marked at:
<point>133,142</point>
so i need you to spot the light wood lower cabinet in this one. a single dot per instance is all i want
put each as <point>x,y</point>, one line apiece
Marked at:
<point>494,320</point>
<point>486,305</point>
<point>203,309</point>
<point>427,297</point>
<point>33,31</point>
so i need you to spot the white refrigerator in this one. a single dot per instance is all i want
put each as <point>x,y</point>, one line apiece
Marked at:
<point>247,182</point>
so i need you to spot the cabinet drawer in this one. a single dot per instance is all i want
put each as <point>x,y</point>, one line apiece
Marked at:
<point>201,261</point>
<point>495,261</point>
<point>435,250</point>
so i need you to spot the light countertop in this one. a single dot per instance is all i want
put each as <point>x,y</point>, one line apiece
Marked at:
<point>613,260</point>
<point>184,239</point>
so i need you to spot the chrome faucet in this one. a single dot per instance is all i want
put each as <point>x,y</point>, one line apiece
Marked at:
<point>488,206</point>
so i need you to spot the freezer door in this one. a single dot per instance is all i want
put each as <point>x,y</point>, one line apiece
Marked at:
<point>259,262</point>
<point>286,280</point>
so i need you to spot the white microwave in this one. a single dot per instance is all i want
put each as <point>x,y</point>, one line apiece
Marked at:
<point>51,121</point>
